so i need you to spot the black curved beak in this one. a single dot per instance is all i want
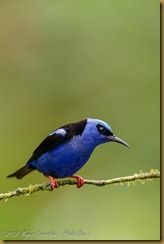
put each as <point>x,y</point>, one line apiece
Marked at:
<point>116,139</point>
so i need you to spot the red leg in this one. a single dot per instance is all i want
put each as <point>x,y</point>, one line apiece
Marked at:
<point>54,183</point>
<point>80,180</point>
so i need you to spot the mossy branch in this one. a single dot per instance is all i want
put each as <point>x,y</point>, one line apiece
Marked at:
<point>25,191</point>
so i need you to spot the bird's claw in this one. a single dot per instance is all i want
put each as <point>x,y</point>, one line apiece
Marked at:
<point>54,183</point>
<point>80,180</point>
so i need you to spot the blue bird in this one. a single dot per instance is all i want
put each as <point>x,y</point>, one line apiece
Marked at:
<point>63,152</point>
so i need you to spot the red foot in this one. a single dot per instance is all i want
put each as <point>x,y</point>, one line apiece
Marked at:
<point>53,182</point>
<point>80,180</point>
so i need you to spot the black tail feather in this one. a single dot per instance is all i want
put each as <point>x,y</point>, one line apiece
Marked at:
<point>20,173</point>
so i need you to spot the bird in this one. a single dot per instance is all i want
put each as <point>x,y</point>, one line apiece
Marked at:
<point>65,151</point>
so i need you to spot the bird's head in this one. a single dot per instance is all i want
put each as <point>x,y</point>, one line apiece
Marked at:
<point>99,132</point>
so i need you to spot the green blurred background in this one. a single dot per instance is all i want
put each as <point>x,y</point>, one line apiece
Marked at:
<point>62,61</point>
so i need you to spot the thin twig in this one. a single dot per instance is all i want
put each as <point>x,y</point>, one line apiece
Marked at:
<point>26,191</point>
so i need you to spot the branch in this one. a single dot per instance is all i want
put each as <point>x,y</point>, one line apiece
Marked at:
<point>26,191</point>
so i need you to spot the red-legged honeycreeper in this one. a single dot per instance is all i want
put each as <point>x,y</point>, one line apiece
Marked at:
<point>63,152</point>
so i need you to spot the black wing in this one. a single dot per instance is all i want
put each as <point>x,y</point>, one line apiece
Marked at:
<point>54,139</point>
<point>47,144</point>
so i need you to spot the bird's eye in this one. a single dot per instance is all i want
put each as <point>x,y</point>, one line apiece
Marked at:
<point>104,131</point>
<point>101,129</point>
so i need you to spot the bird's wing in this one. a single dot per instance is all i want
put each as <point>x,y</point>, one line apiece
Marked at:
<point>64,133</point>
<point>47,144</point>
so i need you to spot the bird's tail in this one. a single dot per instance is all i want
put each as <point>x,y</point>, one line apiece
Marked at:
<point>20,173</point>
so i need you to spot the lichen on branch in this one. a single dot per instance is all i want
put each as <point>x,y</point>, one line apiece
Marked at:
<point>26,191</point>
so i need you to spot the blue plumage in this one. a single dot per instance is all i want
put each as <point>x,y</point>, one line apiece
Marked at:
<point>63,152</point>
